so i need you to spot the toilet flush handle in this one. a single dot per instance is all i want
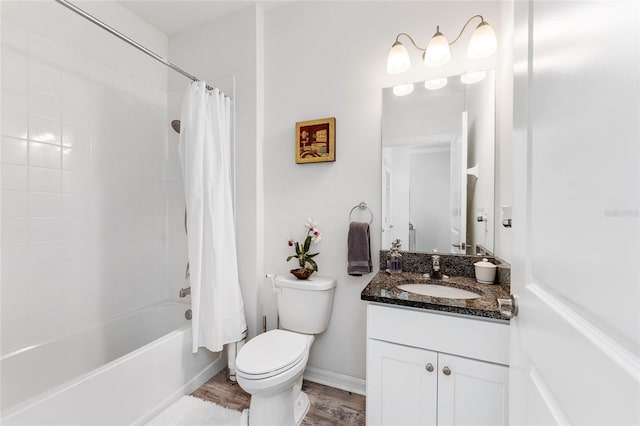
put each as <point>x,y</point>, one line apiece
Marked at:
<point>276,289</point>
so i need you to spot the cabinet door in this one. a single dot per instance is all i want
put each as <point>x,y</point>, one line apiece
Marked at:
<point>471,392</point>
<point>400,389</point>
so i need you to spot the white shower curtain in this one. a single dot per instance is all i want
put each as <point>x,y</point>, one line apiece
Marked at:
<point>205,154</point>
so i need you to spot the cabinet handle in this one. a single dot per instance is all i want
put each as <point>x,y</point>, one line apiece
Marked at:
<point>446,370</point>
<point>429,367</point>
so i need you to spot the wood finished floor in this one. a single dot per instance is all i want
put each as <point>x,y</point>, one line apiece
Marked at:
<point>329,406</point>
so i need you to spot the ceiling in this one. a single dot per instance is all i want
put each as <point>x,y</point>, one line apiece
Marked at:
<point>177,16</point>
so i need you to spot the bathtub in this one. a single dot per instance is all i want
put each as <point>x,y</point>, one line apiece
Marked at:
<point>121,372</point>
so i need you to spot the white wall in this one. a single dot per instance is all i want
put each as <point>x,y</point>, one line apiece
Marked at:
<point>83,154</point>
<point>329,59</point>
<point>504,129</point>
<point>228,53</point>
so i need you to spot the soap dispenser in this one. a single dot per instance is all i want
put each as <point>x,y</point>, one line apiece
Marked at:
<point>394,259</point>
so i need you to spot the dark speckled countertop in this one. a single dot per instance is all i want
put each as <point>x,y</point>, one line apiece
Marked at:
<point>383,289</point>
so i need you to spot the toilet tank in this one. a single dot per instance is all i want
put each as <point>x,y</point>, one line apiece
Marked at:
<point>304,306</point>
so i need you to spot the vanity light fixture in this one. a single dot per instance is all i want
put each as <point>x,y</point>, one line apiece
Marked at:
<point>436,83</point>
<point>473,77</point>
<point>403,89</point>
<point>482,44</point>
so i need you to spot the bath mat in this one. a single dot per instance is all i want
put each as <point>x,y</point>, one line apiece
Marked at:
<point>191,411</point>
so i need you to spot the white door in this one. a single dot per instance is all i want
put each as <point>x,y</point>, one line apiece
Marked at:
<point>459,189</point>
<point>402,386</point>
<point>471,392</point>
<point>575,343</point>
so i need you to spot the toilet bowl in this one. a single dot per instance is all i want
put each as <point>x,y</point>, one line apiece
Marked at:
<point>270,366</point>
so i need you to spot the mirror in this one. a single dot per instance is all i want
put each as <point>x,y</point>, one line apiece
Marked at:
<point>438,167</point>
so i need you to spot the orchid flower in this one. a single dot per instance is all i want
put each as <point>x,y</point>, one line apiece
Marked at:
<point>302,250</point>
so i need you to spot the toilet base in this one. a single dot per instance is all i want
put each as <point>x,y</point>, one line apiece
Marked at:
<point>262,413</point>
<point>301,407</point>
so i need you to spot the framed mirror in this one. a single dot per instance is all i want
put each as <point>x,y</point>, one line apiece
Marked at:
<point>438,165</point>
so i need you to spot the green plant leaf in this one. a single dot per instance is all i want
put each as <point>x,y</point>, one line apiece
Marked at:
<point>290,257</point>
<point>312,255</point>
<point>307,243</point>
<point>313,264</point>
<point>297,248</point>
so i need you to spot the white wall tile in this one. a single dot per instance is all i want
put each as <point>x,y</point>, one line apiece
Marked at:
<point>15,230</point>
<point>14,73</point>
<point>45,180</point>
<point>44,155</point>
<point>44,79</point>
<point>75,89</point>
<point>76,159</point>
<point>13,177</point>
<point>15,203</point>
<point>45,106</point>
<point>13,150</point>
<point>13,37</point>
<point>13,124</point>
<point>14,101</point>
<point>43,204</point>
<point>15,256</point>
<point>44,130</point>
<point>45,229</point>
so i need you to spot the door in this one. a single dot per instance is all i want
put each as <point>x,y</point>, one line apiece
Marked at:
<point>471,392</point>
<point>459,189</point>
<point>402,386</point>
<point>575,343</point>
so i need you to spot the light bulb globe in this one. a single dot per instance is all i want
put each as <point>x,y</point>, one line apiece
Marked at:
<point>472,77</point>
<point>398,60</point>
<point>483,42</point>
<point>403,89</point>
<point>438,52</point>
<point>435,84</point>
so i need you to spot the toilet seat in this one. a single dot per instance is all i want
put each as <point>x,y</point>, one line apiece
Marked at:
<point>271,353</point>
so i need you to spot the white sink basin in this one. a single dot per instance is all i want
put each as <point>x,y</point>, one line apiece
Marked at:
<point>435,290</point>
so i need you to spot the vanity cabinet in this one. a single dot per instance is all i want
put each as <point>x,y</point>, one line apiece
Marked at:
<point>432,369</point>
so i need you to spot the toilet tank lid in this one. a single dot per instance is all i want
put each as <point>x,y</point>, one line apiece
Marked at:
<point>312,283</point>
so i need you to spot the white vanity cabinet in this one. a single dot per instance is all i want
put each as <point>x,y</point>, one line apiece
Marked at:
<point>427,368</point>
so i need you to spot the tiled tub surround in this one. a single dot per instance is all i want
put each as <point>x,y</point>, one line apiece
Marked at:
<point>383,287</point>
<point>84,188</point>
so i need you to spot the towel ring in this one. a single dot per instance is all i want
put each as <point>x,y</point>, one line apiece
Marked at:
<point>362,206</point>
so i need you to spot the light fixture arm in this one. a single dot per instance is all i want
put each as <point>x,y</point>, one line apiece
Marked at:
<point>412,41</point>
<point>465,26</point>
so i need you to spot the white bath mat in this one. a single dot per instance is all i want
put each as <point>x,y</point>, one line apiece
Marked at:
<point>191,411</point>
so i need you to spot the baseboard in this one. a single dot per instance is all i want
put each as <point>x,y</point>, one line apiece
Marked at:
<point>335,380</point>
<point>209,371</point>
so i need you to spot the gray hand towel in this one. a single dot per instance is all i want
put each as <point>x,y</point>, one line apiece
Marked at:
<point>359,255</point>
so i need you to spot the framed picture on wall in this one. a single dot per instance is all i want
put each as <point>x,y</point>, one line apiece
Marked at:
<point>316,141</point>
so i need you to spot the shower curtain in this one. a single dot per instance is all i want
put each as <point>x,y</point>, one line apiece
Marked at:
<point>205,154</point>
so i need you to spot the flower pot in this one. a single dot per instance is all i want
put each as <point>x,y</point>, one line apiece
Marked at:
<point>302,273</point>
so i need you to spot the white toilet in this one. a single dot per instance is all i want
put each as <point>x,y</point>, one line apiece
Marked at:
<point>270,366</point>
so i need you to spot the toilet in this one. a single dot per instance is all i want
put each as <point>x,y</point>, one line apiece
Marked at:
<point>270,366</point>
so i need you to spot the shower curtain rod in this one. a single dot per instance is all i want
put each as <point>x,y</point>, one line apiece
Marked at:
<point>126,39</point>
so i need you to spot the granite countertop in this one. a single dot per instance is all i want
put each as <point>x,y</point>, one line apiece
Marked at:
<point>383,289</point>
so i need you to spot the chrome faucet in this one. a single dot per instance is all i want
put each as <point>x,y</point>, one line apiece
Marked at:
<point>184,292</point>
<point>436,272</point>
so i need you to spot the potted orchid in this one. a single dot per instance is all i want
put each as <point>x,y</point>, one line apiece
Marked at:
<point>302,251</point>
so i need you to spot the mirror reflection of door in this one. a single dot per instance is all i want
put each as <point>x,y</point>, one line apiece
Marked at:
<point>438,168</point>
<point>459,189</point>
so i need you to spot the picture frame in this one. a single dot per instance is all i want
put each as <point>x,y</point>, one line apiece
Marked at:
<point>316,141</point>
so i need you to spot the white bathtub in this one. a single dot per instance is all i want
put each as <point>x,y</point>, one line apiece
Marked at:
<point>121,372</point>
